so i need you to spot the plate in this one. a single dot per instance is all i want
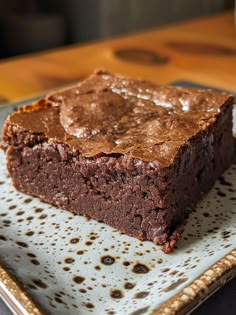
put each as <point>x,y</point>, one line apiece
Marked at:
<point>58,263</point>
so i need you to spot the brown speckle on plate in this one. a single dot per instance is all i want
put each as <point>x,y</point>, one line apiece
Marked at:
<point>39,283</point>
<point>27,200</point>
<point>22,244</point>
<point>78,279</point>
<point>74,240</point>
<point>107,260</point>
<point>141,295</point>
<point>69,260</point>
<point>129,285</point>
<point>140,268</point>
<point>116,294</point>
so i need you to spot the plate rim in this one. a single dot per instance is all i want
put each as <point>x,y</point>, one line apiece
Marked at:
<point>14,295</point>
<point>211,280</point>
<point>201,288</point>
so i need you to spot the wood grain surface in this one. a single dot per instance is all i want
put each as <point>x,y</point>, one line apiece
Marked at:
<point>202,50</point>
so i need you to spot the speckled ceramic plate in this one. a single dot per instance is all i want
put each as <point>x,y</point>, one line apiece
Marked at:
<point>58,263</point>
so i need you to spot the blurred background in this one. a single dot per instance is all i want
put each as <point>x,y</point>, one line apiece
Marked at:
<point>35,25</point>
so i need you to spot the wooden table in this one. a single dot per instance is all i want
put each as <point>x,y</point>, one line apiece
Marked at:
<point>202,50</point>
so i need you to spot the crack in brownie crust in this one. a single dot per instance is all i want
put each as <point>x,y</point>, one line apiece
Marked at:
<point>126,152</point>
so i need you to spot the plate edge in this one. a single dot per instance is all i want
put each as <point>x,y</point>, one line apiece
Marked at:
<point>182,303</point>
<point>200,289</point>
<point>15,296</point>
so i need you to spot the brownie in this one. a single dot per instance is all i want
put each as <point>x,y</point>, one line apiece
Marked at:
<point>127,152</point>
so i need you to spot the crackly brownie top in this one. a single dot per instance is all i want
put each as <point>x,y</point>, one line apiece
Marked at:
<point>113,114</point>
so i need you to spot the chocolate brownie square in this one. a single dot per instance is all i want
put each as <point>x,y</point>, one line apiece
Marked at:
<point>127,152</point>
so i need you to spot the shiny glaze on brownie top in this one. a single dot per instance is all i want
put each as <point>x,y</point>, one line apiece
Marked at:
<point>107,114</point>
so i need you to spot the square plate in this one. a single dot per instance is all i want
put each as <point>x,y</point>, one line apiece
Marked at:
<point>58,263</point>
